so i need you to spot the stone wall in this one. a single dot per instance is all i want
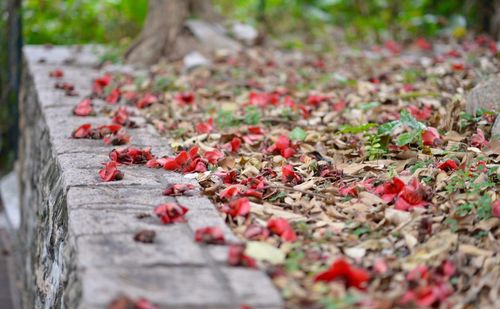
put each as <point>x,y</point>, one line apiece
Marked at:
<point>76,236</point>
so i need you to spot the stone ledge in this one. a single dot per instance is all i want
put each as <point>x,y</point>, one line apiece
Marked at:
<point>76,234</point>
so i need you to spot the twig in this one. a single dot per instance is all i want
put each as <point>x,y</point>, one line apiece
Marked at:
<point>299,190</point>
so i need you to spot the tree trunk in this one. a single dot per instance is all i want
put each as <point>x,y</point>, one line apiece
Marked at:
<point>495,21</point>
<point>164,35</point>
<point>488,17</point>
<point>163,25</point>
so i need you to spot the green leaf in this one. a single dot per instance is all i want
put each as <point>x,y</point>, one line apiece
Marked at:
<point>298,134</point>
<point>406,118</point>
<point>369,105</point>
<point>388,127</point>
<point>407,138</point>
<point>252,115</point>
<point>356,129</point>
<point>265,252</point>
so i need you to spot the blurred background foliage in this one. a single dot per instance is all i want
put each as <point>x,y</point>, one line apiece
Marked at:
<point>109,21</point>
<point>297,23</point>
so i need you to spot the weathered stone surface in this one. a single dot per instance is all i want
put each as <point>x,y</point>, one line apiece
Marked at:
<point>169,287</point>
<point>252,288</point>
<point>76,232</point>
<point>173,245</point>
<point>485,95</point>
<point>101,195</point>
<point>9,193</point>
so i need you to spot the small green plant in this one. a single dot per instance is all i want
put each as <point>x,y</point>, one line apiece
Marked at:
<point>226,119</point>
<point>374,147</point>
<point>252,115</point>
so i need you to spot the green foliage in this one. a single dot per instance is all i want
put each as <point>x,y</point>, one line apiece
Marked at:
<point>360,19</point>
<point>357,129</point>
<point>298,134</point>
<point>252,115</point>
<point>109,21</point>
<point>226,119</point>
<point>74,22</point>
<point>374,147</point>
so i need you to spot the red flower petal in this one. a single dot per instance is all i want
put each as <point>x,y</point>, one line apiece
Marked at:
<point>110,172</point>
<point>170,213</point>
<point>341,269</point>
<point>448,165</point>
<point>495,208</point>
<point>84,108</point>
<point>101,83</point>
<point>288,174</point>
<point>82,131</point>
<point>237,257</point>
<point>57,73</point>
<point>205,127</point>
<point>235,144</point>
<point>185,98</point>
<point>229,192</point>
<point>478,140</point>
<point>214,156</point>
<point>147,100</point>
<point>431,137</point>
<point>239,207</point>
<point>209,235</point>
<point>178,189</point>
<point>390,189</point>
<point>113,96</point>
<point>281,227</point>
<point>413,195</point>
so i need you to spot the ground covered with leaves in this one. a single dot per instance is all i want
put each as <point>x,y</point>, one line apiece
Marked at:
<point>355,177</point>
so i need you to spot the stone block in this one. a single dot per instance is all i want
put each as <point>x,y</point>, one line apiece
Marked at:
<point>168,287</point>
<point>173,246</point>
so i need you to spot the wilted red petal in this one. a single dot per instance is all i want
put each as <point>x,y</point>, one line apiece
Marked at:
<point>423,44</point>
<point>281,227</point>
<point>288,174</point>
<point>147,100</point>
<point>237,257</point>
<point>235,144</point>
<point>478,140</point>
<point>82,131</point>
<point>229,192</point>
<point>101,83</point>
<point>413,195</point>
<point>205,127</point>
<point>170,164</point>
<point>110,172</point>
<point>214,156</point>
<point>431,137</point>
<point>143,303</point>
<point>57,73</point>
<point>316,99</point>
<point>256,232</point>
<point>495,208</point>
<point>120,138</point>
<point>282,143</point>
<point>448,165</point>
<point>420,113</point>
<point>209,235</point>
<point>341,269</point>
<point>170,213</point>
<point>390,189</point>
<point>185,98</point>
<point>393,47</point>
<point>178,189</point>
<point>349,190</point>
<point>182,158</point>
<point>239,207</point>
<point>84,108</point>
